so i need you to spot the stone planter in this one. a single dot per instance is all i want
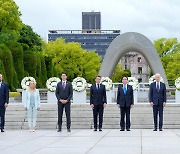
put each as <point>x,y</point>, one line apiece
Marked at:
<point>51,97</point>
<point>135,96</point>
<point>79,97</point>
<point>23,96</point>
<point>109,96</point>
<point>177,96</point>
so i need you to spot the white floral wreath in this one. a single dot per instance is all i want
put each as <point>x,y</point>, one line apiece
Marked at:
<point>25,82</point>
<point>177,83</point>
<point>133,82</point>
<point>79,84</point>
<point>51,83</point>
<point>107,82</point>
<point>152,79</point>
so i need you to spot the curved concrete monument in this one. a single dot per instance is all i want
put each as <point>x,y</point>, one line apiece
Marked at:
<point>129,42</point>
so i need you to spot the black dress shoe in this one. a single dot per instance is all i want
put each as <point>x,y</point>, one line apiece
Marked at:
<point>160,129</point>
<point>121,129</point>
<point>95,129</point>
<point>69,130</point>
<point>155,130</point>
<point>100,129</point>
<point>59,130</point>
<point>128,130</point>
<point>2,130</point>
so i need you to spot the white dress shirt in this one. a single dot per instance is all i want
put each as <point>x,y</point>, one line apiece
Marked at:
<point>97,85</point>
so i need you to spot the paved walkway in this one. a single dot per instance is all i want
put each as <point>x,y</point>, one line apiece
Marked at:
<point>109,141</point>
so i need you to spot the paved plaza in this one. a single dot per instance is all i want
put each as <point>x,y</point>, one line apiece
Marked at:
<point>85,141</point>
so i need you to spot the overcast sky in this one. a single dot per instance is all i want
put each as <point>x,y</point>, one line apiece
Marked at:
<point>153,18</point>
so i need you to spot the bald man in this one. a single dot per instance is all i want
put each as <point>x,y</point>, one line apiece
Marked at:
<point>157,98</point>
<point>4,100</point>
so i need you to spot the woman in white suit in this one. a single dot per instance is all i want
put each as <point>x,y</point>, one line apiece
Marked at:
<point>32,104</point>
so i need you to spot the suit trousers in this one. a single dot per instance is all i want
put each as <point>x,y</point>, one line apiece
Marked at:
<point>2,116</point>
<point>98,110</point>
<point>68,114</point>
<point>158,109</point>
<point>125,112</point>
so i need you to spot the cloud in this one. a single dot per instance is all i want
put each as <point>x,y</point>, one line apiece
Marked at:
<point>154,19</point>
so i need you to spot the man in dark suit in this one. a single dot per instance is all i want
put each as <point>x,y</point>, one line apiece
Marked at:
<point>125,101</point>
<point>157,98</point>
<point>4,100</point>
<point>64,94</point>
<point>98,101</point>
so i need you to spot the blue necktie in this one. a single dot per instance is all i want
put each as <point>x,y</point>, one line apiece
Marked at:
<point>125,89</point>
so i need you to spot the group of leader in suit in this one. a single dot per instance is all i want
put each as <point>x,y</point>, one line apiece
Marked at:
<point>98,101</point>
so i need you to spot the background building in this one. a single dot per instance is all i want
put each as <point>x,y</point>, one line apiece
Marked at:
<point>91,21</point>
<point>92,38</point>
<point>138,66</point>
<point>97,42</point>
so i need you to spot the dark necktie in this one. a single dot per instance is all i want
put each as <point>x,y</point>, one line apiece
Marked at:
<point>158,86</point>
<point>98,86</point>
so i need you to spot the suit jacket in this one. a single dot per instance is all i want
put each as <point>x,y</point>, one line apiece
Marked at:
<point>4,94</point>
<point>155,96</point>
<point>125,99</point>
<point>98,96</point>
<point>36,99</point>
<point>62,93</point>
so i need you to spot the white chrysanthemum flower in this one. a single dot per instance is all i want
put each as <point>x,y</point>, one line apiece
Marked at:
<point>133,82</point>
<point>79,84</point>
<point>177,83</point>
<point>107,82</point>
<point>152,79</point>
<point>51,83</point>
<point>25,82</point>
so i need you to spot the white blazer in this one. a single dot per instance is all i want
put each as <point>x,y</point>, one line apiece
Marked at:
<point>36,99</point>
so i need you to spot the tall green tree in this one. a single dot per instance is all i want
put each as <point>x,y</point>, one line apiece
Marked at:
<point>30,63</point>
<point>39,71</point>
<point>2,70</point>
<point>91,66</point>
<point>17,53</point>
<point>43,71</point>
<point>49,66</point>
<point>8,65</point>
<point>119,73</point>
<point>30,40</point>
<point>166,46</point>
<point>71,58</point>
<point>169,50</point>
<point>173,67</point>
<point>10,22</point>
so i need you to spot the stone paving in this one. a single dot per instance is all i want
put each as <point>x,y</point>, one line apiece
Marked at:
<point>85,141</point>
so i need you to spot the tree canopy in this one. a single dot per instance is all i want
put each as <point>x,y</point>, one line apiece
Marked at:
<point>169,52</point>
<point>71,58</point>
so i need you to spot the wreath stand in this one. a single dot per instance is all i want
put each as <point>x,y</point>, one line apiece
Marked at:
<point>109,96</point>
<point>177,96</point>
<point>79,97</point>
<point>51,97</point>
